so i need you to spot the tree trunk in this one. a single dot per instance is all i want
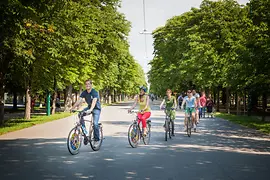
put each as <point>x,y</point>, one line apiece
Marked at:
<point>68,100</point>
<point>218,99</point>
<point>264,105</point>
<point>224,98</point>
<point>228,101</point>
<point>244,103</point>
<point>238,104</point>
<point>235,100</point>
<point>2,108</point>
<point>54,97</point>
<point>27,112</point>
<point>65,96</point>
<point>54,102</point>
<point>15,102</point>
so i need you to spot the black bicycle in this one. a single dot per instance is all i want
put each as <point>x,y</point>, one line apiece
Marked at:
<point>169,124</point>
<point>135,133</point>
<point>76,135</point>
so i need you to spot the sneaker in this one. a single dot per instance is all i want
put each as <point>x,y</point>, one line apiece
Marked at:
<point>96,143</point>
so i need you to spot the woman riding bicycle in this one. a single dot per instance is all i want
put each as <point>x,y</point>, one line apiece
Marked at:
<point>189,100</point>
<point>144,107</point>
<point>170,106</point>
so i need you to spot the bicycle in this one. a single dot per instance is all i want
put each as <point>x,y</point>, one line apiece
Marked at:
<point>189,122</point>
<point>135,133</point>
<point>74,140</point>
<point>169,126</point>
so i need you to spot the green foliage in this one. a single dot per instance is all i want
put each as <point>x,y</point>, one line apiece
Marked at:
<point>61,42</point>
<point>218,45</point>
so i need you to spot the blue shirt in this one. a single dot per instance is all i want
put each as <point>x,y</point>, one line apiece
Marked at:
<point>89,98</point>
<point>190,101</point>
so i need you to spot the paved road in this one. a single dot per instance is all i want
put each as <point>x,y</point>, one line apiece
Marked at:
<point>220,150</point>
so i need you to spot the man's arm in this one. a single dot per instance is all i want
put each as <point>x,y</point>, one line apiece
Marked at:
<point>78,103</point>
<point>94,102</point>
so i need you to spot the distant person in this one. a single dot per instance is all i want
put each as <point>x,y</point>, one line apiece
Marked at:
<point>203,105</point>
<point>209,106</point>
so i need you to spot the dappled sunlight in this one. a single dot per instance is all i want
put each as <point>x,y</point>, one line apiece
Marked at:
<point>108,159</point>
<point>158,167</point>
<point>69,162</point>
<point>241,137</point>
<point>220,148</point>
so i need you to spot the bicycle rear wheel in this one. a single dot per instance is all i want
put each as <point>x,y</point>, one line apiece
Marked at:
<point>146,139</point>
<point>170,129</point>
<point>133,135</point>
<point>96,146</point>
<point>74,140</point>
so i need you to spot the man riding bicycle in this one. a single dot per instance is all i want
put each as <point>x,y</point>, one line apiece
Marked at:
<point>190,102</point>
<point>91,97</point>
<point>170,106</point>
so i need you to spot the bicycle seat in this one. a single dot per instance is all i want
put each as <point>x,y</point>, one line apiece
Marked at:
<point>148,120</point>
<point>99,123</point>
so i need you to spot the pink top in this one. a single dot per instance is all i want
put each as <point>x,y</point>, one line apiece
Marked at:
<point>203,101</point>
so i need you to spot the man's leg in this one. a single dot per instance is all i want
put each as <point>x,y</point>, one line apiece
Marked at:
<point>81,118</point>
<point>96,115</point>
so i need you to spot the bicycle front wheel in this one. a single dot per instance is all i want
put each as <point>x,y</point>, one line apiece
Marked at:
<point>133,135</point>
<point>74,140</point>
<point>170,129</point>
<point>166,130</point>
<point>189,126</point>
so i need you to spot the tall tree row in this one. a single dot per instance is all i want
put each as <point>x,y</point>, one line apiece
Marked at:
<point>54,45</point>
<point>221,45</point>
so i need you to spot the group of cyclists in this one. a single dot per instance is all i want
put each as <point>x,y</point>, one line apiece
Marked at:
<point>192,102</point>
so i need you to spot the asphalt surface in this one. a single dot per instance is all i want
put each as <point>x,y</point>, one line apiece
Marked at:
<point>219,150</point>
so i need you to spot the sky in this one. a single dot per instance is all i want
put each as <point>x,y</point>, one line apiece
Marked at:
<point>157,12</point>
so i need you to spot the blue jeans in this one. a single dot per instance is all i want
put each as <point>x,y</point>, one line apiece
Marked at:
<point>96,115</point>
<point>202,112</point>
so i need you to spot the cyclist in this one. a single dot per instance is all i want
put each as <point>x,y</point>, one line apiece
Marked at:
<point>91,97</point>
<point>144,107</point>
<point>198,105</point>
<point>170,106</point>
<point>180,100</point>
<point>190,102</point>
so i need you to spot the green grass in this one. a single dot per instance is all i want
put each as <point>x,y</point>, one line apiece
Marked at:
<point>247,121</point>
<point>20,123</point>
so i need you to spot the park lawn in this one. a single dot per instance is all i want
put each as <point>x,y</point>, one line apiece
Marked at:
<point>247,121</point>
<point>20,123</point>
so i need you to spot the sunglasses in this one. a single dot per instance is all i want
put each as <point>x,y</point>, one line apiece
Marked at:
<point>189,92</point>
